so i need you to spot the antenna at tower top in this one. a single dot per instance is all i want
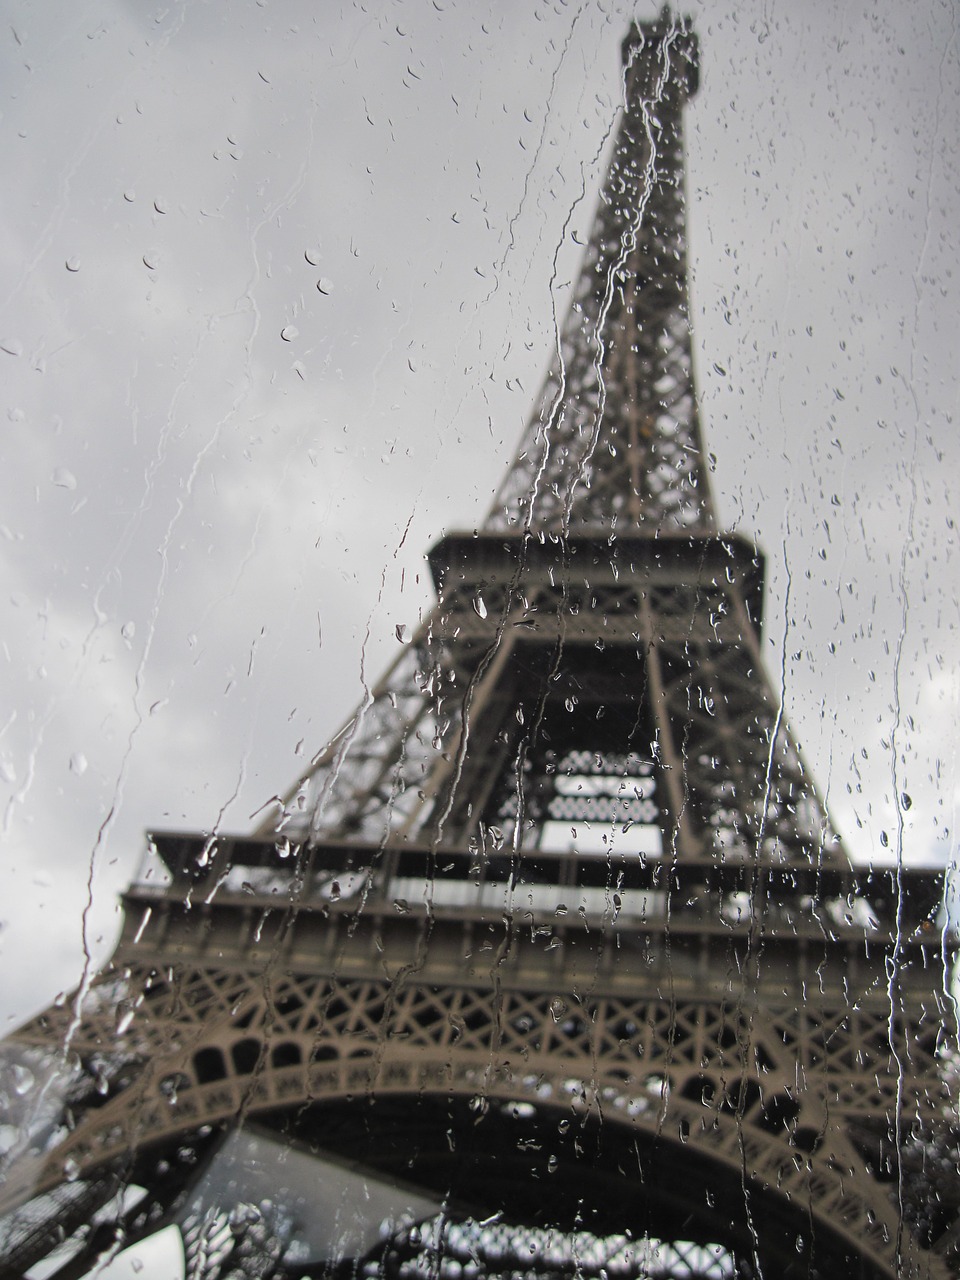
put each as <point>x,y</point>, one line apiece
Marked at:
<point>666,46</point>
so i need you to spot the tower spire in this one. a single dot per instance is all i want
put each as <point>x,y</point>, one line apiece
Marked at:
<point>614,440</point>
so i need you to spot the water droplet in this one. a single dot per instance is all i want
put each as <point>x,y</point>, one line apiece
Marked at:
<point>325,286</point>
<point>401,631</point>
<point>557,1008</point>
<point>63,478</point>
<point>160,206</point>
<point>12,346</point>
<point>23,1079</point>
<point>128,631</point>
<point>78,764</point>
<point>334,891</point>
<point>130,196</point>
<point>313,257</point>
<point>289,332</point>
<point>71,1169</point>
<point>401,905</point>
<point>72,264</point>
<point>906,801</point>
<point>479,607</point>
<point>151,259</point>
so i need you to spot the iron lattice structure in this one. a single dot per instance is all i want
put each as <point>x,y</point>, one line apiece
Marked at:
<point>553,956</point>
<point>614,443</point>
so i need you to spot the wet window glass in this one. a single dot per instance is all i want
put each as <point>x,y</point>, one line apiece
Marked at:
<point>477,491</point>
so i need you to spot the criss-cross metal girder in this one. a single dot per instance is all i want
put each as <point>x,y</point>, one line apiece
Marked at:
<point>637,648</point>
<point>614,441</point>
<point>603,533</point>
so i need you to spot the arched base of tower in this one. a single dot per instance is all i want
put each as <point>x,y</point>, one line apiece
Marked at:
<point>454,1187</point>
<point>567,1176</point>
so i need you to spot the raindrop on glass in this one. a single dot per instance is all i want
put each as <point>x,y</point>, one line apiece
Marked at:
<point>12,346</point>
<point>72,264</point>
<point>78,764</point>
<point>63,478</point>
<point>23,1079</point>
<point>325,286</point>
<point>289,332</point>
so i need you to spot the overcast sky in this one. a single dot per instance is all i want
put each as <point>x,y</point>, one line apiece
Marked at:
<point>218,481</point>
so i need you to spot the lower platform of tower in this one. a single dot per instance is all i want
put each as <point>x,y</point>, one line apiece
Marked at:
<point>370,1084</point>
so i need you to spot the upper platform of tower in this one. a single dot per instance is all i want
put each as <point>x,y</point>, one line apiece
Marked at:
<point>614,442</point>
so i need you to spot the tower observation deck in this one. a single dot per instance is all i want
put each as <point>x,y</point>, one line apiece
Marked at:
<point>552,962</point>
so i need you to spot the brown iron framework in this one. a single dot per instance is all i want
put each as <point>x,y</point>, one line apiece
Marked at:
<point>559,906</point>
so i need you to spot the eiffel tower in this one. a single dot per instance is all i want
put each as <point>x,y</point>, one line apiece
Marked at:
<point>552,963</point>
